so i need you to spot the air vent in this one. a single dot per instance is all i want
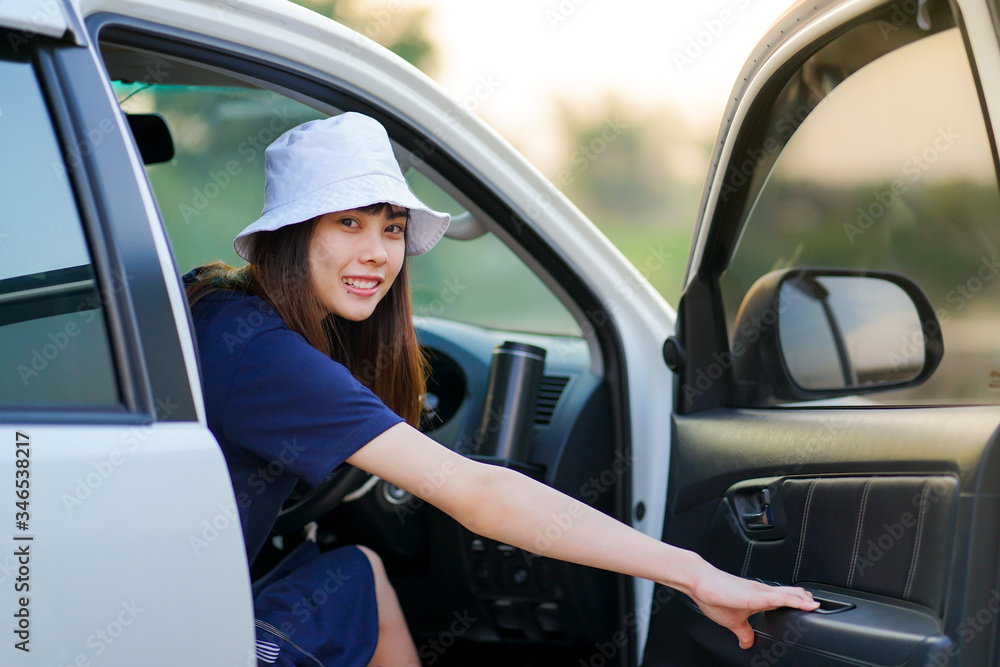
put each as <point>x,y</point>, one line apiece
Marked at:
<point>548,395</point>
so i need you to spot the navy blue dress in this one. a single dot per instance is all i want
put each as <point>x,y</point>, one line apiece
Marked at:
<point>283,411</point>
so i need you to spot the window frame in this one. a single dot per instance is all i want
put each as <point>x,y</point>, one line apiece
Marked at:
<point>762,188</point>
<point>39,59</point>
<point>153,386</point>
<point>702,325</point>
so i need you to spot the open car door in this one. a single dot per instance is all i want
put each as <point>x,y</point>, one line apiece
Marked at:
<point>122,540</point>
<point>837,370</point>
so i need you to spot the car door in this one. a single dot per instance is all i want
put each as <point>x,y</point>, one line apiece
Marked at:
<point>122,543</point>
<point>821,438</point>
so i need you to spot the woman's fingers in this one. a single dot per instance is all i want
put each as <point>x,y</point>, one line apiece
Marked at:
<point>797,598</point>
<point>776,598</point>
<point>730,601</point>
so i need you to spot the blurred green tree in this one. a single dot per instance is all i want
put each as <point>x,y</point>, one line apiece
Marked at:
<point>637,175</point>
<point>401,29</point>
<point>622,165</point>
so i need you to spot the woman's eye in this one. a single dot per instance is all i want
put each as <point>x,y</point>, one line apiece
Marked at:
<point>349,222</point>
<point>394,229</point>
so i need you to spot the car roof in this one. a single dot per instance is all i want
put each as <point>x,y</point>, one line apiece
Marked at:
<point>40,17</point>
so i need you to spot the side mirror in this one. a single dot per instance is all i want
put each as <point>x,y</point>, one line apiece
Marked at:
<point>805,334</point>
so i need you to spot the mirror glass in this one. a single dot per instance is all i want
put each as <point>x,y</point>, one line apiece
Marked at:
<point>847,331</point>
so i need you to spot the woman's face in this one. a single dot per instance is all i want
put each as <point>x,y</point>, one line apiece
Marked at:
<point>354,257</point>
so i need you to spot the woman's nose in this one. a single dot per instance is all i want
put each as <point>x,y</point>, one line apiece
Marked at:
<point>373,249</point>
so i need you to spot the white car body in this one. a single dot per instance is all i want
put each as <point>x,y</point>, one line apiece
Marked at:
<point>117,556</point>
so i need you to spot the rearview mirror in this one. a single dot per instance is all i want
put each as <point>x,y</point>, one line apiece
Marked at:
<point>814,333</point>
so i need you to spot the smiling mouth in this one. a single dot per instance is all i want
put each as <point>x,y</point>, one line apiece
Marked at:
<point>362,287</point>
<point>362,284</point>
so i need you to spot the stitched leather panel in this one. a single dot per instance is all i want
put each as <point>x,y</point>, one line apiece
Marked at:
<point>887,535</point>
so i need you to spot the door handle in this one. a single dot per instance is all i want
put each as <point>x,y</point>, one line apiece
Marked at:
<point>763,519</point>
<point>755,509</point>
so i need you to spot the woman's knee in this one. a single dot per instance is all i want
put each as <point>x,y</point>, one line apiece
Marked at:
<point>378,568</point>
<point>383,588</point>
<point>390,615</point>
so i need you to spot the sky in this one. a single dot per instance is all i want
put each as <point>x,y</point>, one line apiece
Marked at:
<point>512,61</point>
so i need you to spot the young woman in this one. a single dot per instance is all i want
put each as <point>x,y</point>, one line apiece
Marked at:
<point>309,361</point>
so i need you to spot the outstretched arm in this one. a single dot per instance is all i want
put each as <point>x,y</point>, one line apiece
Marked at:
<point>509,507</point>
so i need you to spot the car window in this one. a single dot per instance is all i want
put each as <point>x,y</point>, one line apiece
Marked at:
<point>480,281</point>
<point>52,327</point>
<point>214,186</point>
<point>891,170</point>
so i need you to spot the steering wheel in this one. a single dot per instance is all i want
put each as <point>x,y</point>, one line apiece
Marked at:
<point>307,504</point>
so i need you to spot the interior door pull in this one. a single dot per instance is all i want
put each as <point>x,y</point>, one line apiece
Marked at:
<point>831,606</point>
<point>760,520</point>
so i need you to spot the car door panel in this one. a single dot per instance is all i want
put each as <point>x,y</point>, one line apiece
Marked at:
<point>127,540</point>
<point>858,630</point>
<point>131,533</point>
<point>888,510</point>
<point>880,509</point>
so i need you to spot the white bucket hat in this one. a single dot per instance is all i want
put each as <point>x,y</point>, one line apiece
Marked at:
<point>337,164</point>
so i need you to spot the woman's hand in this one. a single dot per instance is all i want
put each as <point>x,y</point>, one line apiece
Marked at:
<point>730,601</point>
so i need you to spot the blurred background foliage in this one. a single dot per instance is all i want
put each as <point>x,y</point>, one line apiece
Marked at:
<point>400,28</point>
<point>624,169</point>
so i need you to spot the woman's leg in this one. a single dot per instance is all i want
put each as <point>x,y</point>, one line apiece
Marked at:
<point>395,646</point>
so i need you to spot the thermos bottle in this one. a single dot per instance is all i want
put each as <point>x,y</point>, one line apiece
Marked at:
<point>509,412</point>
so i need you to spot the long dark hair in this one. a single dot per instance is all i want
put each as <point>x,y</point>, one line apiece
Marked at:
<point>380,351</point>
